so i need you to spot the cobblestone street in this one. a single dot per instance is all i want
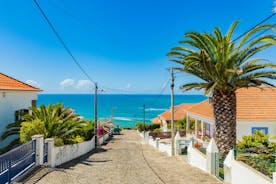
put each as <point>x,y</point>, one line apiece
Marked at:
<point>124,160</point>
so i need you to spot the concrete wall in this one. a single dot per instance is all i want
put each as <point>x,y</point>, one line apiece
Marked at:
<point>241,174</point>
<point>244,127</point>
<point>103,138</point>
<point>152,142</point>
<point>166,148</point>
<point>196,158</point>
<point>11,102</point>
<point>69,152</point>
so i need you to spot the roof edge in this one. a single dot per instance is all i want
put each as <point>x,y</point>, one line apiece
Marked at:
<point>34,88</point>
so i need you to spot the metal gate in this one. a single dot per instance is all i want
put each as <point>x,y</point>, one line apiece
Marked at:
<point>45,153</point>
<point>182,146</point>
<point>219,169</point>
<point>17,161</point>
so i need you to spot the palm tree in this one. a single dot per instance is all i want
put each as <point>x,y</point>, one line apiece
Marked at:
<point>223,66</point>
<point>59,122</point>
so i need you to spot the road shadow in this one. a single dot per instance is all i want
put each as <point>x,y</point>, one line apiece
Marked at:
<point>85,159</point>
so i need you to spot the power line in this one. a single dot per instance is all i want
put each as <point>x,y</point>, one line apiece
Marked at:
<point>63,42</point>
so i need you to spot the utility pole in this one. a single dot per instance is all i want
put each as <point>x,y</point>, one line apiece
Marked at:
<point>172,111</point>
<point>96,115</point>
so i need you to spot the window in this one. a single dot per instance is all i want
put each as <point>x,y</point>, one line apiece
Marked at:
<point>20,113</point>
<point>208,128</point>
<point>34,102</point>
<point>264,129</point>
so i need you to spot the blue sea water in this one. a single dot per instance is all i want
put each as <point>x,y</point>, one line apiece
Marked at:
<point>128,109</point>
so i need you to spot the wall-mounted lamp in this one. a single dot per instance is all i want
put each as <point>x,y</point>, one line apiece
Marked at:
<point>3,94</point>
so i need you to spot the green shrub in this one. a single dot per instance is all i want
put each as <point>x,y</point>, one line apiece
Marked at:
<point>181,124</point>
<point>157,130</point>
<point>76,139</point>
<point>58,141</point>
<point>252,141</point>
<point>192,125</point>
<point>140,127</point>
<point>147,127</point>
<point>151,127</point>
<point>30,128</point>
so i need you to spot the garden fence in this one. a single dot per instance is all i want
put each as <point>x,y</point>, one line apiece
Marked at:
<point>17,161</point>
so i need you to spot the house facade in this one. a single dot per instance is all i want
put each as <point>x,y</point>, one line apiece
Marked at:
<point>16,96</point>
<point>164,119</point>
<point>256,110</point>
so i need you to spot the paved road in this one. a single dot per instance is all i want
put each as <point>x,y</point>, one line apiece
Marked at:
<point>124,160</point>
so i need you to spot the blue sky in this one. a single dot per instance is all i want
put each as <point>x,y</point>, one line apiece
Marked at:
<point>122,44</point>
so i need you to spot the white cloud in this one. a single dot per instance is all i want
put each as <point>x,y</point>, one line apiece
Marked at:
<point>67,83</point>
<point>33,83</point>
<point>84,84</point>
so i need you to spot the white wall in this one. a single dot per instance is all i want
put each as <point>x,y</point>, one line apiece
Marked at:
<point>164,125</point>
<point>241,174</point>
<point>196,158</point>
<point>244,127</point>
<point>13,101</point>
<point>69,152</point>
<point>152,142</point>
<point>166,148</point>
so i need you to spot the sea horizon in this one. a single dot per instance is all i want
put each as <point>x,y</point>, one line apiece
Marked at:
<point>127,108</point>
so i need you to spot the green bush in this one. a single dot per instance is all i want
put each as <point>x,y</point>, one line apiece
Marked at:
<point>58,141</point>
<point>151,127</point>
<point>58,122</point>
<point>157,130</point>
<point>258,139</point>
<point>30,128</point>
<point>147,127</point>
<point>181,124</point>
<point>75,139</point>
<point>256,151</point>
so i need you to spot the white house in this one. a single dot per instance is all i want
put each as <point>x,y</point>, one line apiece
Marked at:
<point>15,96</point>
<point>165,118</point>
<point>256,110</point>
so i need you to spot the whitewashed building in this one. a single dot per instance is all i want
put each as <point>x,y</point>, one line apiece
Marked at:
<point>256,110</point>
<point>15,96</point>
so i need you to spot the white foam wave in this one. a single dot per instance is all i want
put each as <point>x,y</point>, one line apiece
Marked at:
<point>155,109</point>
<point>122,118</point>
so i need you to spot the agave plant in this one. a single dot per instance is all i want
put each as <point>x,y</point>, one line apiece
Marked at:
<point>222,66</point>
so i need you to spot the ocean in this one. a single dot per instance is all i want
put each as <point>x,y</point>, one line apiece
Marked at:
<point>127,109</point>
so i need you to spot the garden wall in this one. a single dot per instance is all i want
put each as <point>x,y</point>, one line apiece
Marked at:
<point>237,172</point>
<point>241,173</point>
<point>69,152</point>
<point>196,158</point>
<point>165,148</point>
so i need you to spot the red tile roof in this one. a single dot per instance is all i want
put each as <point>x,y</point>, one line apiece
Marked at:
<point>252,104</point>
<point>179,112</point>
<point>9,83</point>
<point>156,121</point>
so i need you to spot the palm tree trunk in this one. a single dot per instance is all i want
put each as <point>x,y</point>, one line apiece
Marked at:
<point>224,106</point>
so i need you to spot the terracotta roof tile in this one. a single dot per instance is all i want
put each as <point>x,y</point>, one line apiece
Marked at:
<point>179,112</point>
<point>203,109</point>
<point>9,83</point>
<point>252,104</point>
<point>156,121</point>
